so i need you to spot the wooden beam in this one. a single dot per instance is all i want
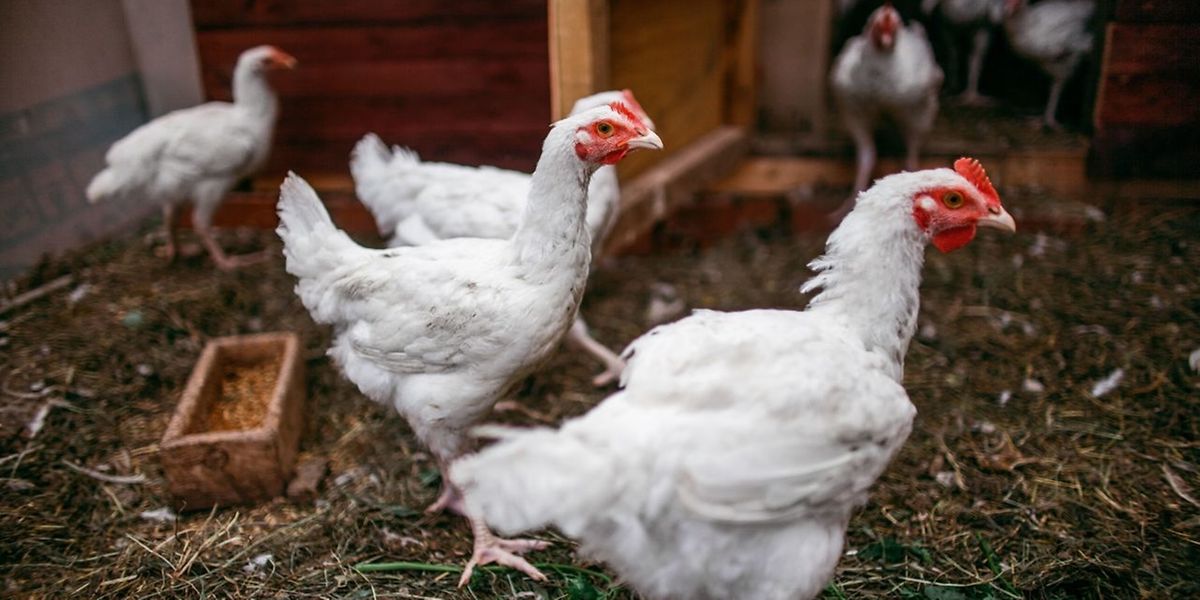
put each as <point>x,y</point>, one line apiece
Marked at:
<point>772,176</point>
<point>662,189</point>
<point>257,210</point>
<point>578,31</point>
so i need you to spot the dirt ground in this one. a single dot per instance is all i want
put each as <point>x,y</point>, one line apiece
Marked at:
<point>1022,477</point>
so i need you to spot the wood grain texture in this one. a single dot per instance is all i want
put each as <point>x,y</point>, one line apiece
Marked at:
<point>671,53</point>
<point>795,41</point>
<point>579,51</point>
<point>772,176</point>
<point>243,13</point>
<point>741,62</point>
<point>464,81</point>
<point>1150,76</point>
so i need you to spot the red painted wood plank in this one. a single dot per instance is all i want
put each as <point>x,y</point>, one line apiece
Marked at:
<point>432,77</point>
<point>361,43</point>
<point>1150,76</point>
<point>1162,11</point>
<point>518,154</point>
<point>240,13</point>
<point>1137,48</point>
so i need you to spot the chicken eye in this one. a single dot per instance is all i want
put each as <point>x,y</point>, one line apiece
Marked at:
<point>604,128</point>
<point>952,199</point>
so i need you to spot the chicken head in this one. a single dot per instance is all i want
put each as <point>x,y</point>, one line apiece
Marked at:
<point>950,213</point>
<point>612,135</point>
<point>882,26</point>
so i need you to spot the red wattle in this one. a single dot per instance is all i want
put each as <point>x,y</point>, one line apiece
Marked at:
<point>613,158</point>
<point>952,239</point>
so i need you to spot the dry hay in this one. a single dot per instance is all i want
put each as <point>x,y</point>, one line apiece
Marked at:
<point>1017,480</point>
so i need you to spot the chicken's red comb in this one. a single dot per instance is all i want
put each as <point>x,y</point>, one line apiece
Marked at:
<point>631,101</point>
<point>973,172</point>
<point>626,112</point>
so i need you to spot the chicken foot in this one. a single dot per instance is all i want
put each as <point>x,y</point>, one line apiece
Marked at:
<point>979,47</point>
<point>580,337</point>
<point>222,260</point>
<point>492,549</point>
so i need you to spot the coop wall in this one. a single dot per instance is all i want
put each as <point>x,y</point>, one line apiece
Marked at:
<point>1147,114</point>
<point>78,91</point>
<point>465,82</point>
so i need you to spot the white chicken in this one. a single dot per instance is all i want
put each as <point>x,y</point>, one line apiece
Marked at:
<point>1055,35</point>
<point>977,18</point>
<point>199,153</point>
<point>729,465</point>
<point>417,202</point>
<point>439,332</point>
<point>887,72</point>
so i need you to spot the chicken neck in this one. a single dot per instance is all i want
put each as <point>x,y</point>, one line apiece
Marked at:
<point>870,274</point>
<point>553,235</point>
<point>252,91</point>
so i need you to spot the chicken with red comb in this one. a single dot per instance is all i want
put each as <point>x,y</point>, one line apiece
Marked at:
<point>416,202</point>
<point>886,74</point>
<point>1056,36</point>
<point>729,464</point>
<point>440,332</point>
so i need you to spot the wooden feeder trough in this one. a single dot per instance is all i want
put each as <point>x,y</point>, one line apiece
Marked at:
<point>233,437</point>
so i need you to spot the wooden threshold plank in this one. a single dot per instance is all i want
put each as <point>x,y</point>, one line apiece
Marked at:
<point>773,175</point>
<point>256,209</point>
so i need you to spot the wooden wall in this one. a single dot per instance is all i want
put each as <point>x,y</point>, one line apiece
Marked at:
<point>464,81</point>
<point>1147,115</point>
<point>682,59</point>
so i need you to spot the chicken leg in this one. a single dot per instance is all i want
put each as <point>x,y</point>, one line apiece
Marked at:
<point>1048,118</point>
<point>449,498</point>
<point>580,337</point>
<point>979,47</point>
<point>864,143</point>
<point>202,215</point>
<point>172,249</point>
<point>492,549</point>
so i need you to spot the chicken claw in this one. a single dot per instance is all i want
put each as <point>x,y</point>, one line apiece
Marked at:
<point>491,549</point>
<point>580,337</point>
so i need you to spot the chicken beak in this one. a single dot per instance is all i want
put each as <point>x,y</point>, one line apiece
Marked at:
<point>998,218</point>
<point>648,140</point>
<point>283,60</point>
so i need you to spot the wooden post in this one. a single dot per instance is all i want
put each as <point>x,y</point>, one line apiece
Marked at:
<point>794,38</point>
<point>578,51</point>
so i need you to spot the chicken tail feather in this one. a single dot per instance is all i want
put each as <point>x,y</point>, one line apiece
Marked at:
<point>105,186</point>
<point>373,165</point>
<point>312,244</point>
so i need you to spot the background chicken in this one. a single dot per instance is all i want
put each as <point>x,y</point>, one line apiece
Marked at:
<point>441,331</point>
<point>976,19</point>
<point>1055,35</point>
<point>888,72</point>
<point>416,202</point>
<point>730,463</point>
<point>199,153</point>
